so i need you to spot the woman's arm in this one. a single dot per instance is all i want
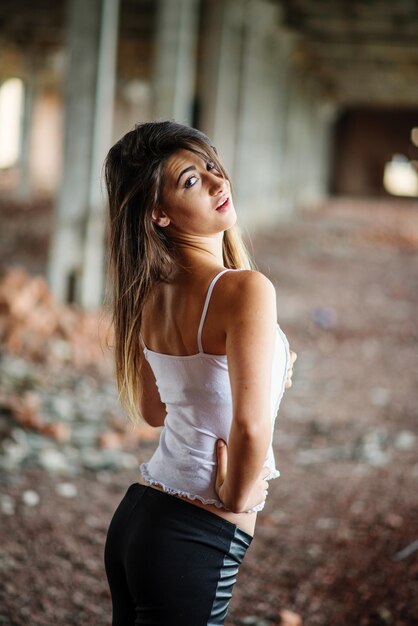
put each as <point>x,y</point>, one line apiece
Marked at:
<point>250,340</point>
<point>152,410</point>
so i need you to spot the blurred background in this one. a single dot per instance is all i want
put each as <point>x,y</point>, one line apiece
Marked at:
<point>312,105</point>
<point>302,99</point>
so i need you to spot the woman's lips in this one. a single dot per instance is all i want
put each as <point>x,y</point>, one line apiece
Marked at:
<point>224,207</point>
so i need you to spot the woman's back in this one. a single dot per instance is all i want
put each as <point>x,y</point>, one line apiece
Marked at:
<point>173,311</point>
<point>196,391</point>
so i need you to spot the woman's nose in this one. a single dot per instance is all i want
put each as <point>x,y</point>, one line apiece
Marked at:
<point>217,185</point>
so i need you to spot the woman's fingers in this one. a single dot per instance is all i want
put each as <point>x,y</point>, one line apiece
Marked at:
<point>265,489</point>
<point>265,472</point>
<point>265,484</point>
<point>259,490</point>
<point>222,458</point>
<point>289,373</point>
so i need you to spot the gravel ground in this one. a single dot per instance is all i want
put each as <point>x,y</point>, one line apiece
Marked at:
<point>337,542</point>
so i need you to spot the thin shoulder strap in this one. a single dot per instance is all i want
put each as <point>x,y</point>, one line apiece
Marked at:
<point>142,341</point>
<point>205,308</point>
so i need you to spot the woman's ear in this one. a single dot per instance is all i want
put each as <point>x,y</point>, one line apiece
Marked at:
<point>159,217</point>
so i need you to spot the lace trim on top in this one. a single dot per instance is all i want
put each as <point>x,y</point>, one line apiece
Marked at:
<point>178,492</point>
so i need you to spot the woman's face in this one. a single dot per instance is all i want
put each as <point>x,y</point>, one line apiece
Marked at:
<point>196,199</point>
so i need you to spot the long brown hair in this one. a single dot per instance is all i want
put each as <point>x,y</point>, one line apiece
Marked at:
<point>140,253</point>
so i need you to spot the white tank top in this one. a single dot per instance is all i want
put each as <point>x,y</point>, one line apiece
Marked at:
<point>197,393</point>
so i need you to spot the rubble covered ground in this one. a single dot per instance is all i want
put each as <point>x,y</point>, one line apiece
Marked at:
<point>337,542</point>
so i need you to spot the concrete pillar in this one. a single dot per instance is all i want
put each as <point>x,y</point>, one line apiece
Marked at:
<point>24,187</point>
<point>327,112</point>
<point>175,59</point>
<point>75,267</point>
<point>93,257</point>
<point>313,152</point>
<point>244,89</point>
<point>311,192</point>
<point>308,129</point>
<point>313,156</point>
<point>303,172</point>
<point>258,125</point>
<point>221,75</point>
<point>281,80</point>
<point>293,147</point>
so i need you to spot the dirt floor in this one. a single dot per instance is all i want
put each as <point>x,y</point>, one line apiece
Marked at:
<point>337,542</point>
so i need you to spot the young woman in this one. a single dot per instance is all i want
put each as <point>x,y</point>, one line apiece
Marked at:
<point>199,352</point>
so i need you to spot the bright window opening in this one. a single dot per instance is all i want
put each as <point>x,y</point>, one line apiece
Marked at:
<point>400,177</point>
<point>11,110</point>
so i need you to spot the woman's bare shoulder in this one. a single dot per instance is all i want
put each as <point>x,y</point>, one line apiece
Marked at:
<point>248,290</point>
<point>248,283</point>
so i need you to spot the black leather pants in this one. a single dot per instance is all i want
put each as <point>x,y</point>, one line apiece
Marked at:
<point>169,562</point>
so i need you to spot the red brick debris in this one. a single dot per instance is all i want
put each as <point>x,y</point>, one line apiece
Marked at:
<point>33,325</point>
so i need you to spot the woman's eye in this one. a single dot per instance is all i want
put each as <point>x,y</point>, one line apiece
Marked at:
<point>190,182</point>
<point>210,166</point>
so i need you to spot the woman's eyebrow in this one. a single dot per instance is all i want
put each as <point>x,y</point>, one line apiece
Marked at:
<point>186,169</point>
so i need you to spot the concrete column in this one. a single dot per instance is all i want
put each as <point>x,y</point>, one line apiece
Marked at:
<point>244,94</point>
<point>308,131</point>
<point>327,114</point>
<point>93,258</point>
<point>221,75</point>
<point>314,154</point>
<point>256,151</point>
<point>303,173</point>
<point>293,145</point>
<point>175,59</point>
<point>311,192</point>
<point>75,267</point>
<point>24,188</point>
<point>280,207</point>
<point>314,193</point>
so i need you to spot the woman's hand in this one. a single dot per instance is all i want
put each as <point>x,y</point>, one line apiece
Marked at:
<point>259,491</point>
<point>289,373</point>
